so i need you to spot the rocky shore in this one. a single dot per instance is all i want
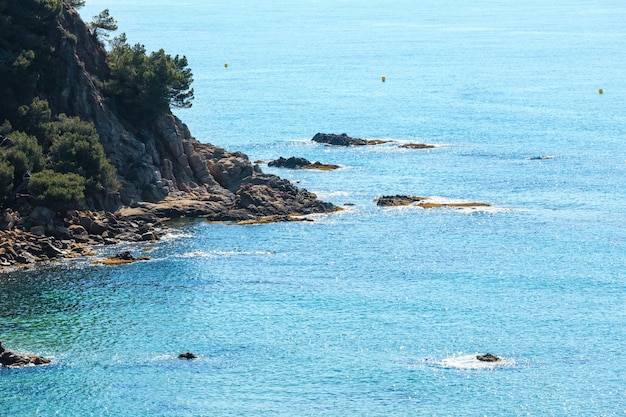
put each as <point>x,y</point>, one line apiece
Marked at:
<point>45,235</point>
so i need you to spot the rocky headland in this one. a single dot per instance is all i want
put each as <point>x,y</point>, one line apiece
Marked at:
<point>164,171</point>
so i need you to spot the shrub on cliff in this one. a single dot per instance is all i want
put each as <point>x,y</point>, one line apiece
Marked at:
<point>144,86</point>
<point>6,178</point>
<point>25,155</point>
<point>56,190</point>
<point>76,148</point>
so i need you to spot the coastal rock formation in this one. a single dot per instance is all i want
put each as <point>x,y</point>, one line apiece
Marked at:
<point>488,357</point>
<point>301,163</point>
<point>45,236</point>
<point>344,140</point>
<point>160,159</point>
<point>12,359</point>
<point>163,170</point>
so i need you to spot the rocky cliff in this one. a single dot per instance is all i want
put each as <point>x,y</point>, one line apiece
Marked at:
<point>160,165</point>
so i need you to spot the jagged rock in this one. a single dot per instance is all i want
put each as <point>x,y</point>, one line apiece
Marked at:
<point>12,359</point>
<point>344,140</point>
<point>488,357</point>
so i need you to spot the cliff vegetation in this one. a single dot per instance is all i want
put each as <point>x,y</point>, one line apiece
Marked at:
<point>88,127</point>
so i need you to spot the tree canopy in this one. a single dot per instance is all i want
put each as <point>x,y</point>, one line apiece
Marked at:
<point>144,86</point>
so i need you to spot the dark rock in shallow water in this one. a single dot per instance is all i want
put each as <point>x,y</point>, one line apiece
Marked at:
<point>12,359</point>
<point>187,355</point>
<point>301,163</point>
<point>344,140</point>
<point>488,357</point>
<point>417,146</point>
<point>397,200</point>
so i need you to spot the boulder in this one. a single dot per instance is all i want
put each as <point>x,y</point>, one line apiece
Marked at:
<point>187,355</point>
<point>488,357</point>
<point>12,359</point>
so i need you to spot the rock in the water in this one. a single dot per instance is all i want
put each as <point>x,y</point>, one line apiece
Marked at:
<point>397,200</point>
<point>488,357</point>
<point>344,140</point>
<point>300,163</point>
<point>122,258</point>
<point>187,355</point>
<point>12,359</point>
<point>417,146</point>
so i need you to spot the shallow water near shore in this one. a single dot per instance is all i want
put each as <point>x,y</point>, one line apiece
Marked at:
<point>371,310</point>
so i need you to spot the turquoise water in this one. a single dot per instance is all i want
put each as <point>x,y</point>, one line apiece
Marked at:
<point>371,311</point>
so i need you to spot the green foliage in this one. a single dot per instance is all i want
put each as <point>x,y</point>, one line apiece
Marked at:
<point>34,119</point>
<point>25,155</point>
<point>6,178</point>
<point>102,24</point>
<point>26,61</point>
<point>76,148</point>
<point>77,4</point>
<point>144,86</point>
<point>56,190</point>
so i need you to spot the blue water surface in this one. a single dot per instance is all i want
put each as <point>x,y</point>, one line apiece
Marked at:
<point>370,311</point>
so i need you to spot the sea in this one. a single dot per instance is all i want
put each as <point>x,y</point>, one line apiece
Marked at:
<point>370,311</point>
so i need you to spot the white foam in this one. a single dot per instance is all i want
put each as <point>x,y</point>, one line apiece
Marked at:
<point>223,254</point>
<point>471,362</point>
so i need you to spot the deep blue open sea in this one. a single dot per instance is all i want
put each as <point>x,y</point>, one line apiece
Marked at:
<point>371,311</point>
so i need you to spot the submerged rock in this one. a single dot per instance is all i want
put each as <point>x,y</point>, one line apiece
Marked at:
<point>12,359</point>
<point>345,140</point>
<point>300,163</point>
<point>417,146</point>
<point>122,258</point>
<point>488,357</point>
<point>187,355</point>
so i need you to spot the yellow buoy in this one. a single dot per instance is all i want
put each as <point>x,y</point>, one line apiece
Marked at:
<point>600,91</point>
<point>383,78</point>
<point>225,65</point>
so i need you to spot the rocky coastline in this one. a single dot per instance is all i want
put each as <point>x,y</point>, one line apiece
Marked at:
<point>47,236</point>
